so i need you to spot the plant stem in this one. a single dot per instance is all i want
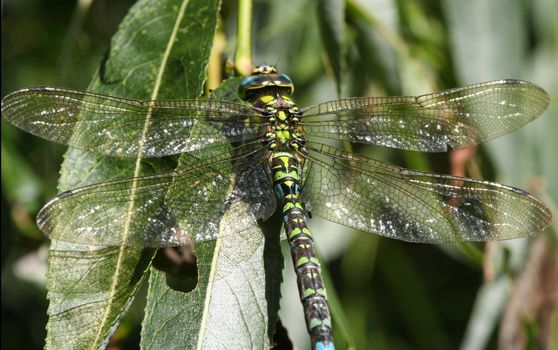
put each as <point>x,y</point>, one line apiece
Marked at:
<point>243,55</point>
<point>214,68</point>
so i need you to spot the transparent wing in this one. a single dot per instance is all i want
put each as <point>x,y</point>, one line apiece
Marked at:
<point>414,206</point>
<point>455,118</point>
<point>127,127</point>
<point>166,209</point>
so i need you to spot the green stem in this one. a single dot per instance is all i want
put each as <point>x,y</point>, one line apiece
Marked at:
<point>214,68</point>
<point>243,55</point>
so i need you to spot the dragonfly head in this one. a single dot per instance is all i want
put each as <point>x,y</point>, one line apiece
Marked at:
<point>264,81</point>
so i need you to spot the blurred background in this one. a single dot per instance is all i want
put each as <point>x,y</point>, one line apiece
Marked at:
<point>393,295</point>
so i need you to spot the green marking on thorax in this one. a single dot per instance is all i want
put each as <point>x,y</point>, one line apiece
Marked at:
<point>283,135</point>
<point>283,156</point>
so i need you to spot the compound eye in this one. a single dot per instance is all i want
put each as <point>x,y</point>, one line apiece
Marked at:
<point>285,79</point>
<point>250,82</point>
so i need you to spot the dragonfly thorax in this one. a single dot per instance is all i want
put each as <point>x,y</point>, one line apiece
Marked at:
<point>271,92</point>
<point>284,133</point>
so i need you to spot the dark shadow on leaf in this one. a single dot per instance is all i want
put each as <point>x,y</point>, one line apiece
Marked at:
<point>281,340</point>
<point>273,266</point>
<point>103,69</point>
<point>179,264</point>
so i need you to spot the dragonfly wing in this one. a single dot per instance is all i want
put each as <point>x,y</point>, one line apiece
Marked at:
<point>203,197</point>
<point>414,206</point>
<point>160,210</point>
<point>127,127</point>
<point>455,118</point>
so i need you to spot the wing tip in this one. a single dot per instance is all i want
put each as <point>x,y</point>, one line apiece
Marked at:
<point>541,93</point>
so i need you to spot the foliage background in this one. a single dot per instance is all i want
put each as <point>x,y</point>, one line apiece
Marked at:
<point>394,295</point>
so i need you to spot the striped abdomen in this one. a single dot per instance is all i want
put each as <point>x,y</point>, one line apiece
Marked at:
<point>286,183</point>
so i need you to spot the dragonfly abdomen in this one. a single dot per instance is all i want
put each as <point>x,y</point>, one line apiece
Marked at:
<point>286,183</point>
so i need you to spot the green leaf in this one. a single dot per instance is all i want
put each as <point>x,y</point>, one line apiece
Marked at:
<point>88,291</point>
<point>235,302</point>
<point>160,51</point>
<point>237,296</point>
<point>332,23</point>
<point>490,301</point>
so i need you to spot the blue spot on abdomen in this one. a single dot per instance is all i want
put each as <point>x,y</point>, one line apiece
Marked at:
<point>321,346</point>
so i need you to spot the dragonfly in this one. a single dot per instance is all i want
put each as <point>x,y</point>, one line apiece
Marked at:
<point>268,153</point>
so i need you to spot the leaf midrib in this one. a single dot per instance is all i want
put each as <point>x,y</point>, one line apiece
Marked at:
<point>137,169</point>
